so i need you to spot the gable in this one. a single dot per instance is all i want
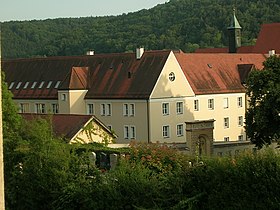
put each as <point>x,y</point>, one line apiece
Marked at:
<point>167,87</point>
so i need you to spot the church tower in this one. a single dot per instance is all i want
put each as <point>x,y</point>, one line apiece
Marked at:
<point>234,32</point>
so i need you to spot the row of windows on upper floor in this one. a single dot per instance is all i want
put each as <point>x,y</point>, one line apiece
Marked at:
<point>130,131</point>
<point>211,103</point>
<point>240,122</point>
<point>33,85</point>
<point>40,108</point>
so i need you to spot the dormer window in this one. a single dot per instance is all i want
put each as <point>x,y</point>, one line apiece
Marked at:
<point>57,84</point>
<point>11,85</point>
<point>33,85</point>
<point>49,84</point>
<point>18,85</point>
<point>26,85</point>
<point>41,85</point>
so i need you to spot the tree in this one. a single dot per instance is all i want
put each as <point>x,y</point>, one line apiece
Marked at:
<point>263,114</point>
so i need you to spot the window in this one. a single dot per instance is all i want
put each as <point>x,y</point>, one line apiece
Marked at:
<point>11,85</point>
<point>128,109</point>
<point>18,85</point>
<point>239,102</point>
<point>171,76</point>
<point>226,122</point>
<point>63,97</point>
<point>41,84</point>
<point>165,108</point>
<point>165,131</point>
<point>23,107</point>
<point>57,84</point>
<point>196,105</point>
<point>90,109</point>
<point>211,103</point>
<point>240,138</point>
<point>131,109</point>
<point>226,138</point>
<point>226,103</point>
<point>129,132</point>
<point>180,130</point>
<point>26,85</point>
<point>126,132</point>
<point>125,110</point>
<point>33,85</point>
<point>49,84</point>
<point>179,107</point>
<point>105,110</point>
<point>40,108</point>
<point>55,108</point>
<point>240,120</point>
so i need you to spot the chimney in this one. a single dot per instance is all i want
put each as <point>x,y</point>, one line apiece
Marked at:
<point>271,53</point>
<point>139,52</point>
<point>90,52</point>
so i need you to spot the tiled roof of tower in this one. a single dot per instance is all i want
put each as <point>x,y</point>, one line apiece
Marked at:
<point>109,75</point>
<point>268,38</point>
<point>216,73</point>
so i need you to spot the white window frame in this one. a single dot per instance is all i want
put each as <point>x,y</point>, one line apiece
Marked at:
<point>126,132</point>
<point>109,109</point>
<point>63,97</point>
<point>25,85</point>
<point>196,105</point>
<point>240,121</point>
<point>166,131</point>
<point>49,84</point>
<point>11,85</point>
<point>132,132</point>
<point>57,84</point>
<point>106,109</point>
<point>23,107</point>
<point>55,108</point>
<point>226,138</point>
<point>226,103</point>
<point>165,108</point>
<point>240,138</point>
<point>211,103</point>
<point>180,130</point>
<point>90,108</point>
<point>226,122</point>
<point>41,85</point>
<point>18,85</point>
<point>180,107</point>
<point>131,110</point>
<point>125,110</point>
<point>239,102</point>
<point>33,85</point>
<point>40,108</point>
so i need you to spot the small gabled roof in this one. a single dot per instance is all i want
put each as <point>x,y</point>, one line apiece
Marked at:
<point>67,125</point>
<point>216,73</point>
<point>118,75</point>
<point>77,79</point>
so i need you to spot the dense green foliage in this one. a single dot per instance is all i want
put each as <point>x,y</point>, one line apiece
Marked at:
<point>263,114</point>
<point>178,24</point>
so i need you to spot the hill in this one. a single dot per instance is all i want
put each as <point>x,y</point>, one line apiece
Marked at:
<point>184,24</point>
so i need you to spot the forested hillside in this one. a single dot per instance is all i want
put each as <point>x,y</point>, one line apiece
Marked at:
<point>184,24</point>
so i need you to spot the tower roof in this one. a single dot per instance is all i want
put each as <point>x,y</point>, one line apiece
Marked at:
<point>234,22</point>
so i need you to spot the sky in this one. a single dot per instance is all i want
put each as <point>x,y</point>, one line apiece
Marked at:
<point>44,9</point>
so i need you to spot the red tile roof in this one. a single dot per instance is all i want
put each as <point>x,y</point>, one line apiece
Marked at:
<point>216,73</point>
<point>268,39</point>
<point>66,125</point>
<point>107,76</point>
